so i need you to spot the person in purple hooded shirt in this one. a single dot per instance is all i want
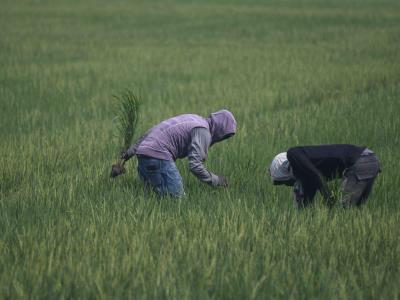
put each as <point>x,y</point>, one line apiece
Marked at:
<point>187,135</point>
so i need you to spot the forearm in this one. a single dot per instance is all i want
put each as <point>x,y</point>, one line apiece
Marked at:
<point>131,151</point>
<point>298,195</point>
<point>128,153</point>
<point>323,188</point>
<point>201,139</point>
<point>303,195</point>
<point>199,170</point>
<point>304,169</point>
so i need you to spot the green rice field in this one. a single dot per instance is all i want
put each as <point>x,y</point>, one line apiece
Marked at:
<point>293,72</point>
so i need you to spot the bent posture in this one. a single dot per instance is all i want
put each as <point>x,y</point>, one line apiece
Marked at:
<point>184,135</point>
<point>307,168</point>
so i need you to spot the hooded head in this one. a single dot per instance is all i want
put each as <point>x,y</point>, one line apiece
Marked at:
<point>280,170</point>
<point>222,125</point>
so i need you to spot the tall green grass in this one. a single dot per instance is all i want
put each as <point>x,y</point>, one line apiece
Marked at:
<point>292,72</point>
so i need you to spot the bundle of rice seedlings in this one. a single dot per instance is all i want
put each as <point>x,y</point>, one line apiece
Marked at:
<point>127,110</point>
<point>127,117</point>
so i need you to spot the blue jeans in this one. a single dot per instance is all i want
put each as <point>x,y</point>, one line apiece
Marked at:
<point>162,175</point>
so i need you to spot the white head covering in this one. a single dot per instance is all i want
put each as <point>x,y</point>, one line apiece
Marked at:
<point>280,168</point>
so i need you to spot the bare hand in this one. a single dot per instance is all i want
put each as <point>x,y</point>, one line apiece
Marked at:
<point>222,181</point>
<point>116,170</point>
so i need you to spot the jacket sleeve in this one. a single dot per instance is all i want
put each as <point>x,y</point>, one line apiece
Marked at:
<point>131,151</point>
<point>308,174</point>
<point>303,194</point>
<point>198,149</point>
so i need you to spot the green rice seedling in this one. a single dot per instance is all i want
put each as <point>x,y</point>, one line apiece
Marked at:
<point>126,123</point>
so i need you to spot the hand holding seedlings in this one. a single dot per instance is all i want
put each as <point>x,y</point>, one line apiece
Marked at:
<point>117,169</point>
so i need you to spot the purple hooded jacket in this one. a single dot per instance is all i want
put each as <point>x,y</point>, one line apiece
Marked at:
<point>170,139</point>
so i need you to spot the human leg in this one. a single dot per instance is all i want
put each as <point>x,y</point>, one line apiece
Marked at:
<point>352,189</point>
<point>162,175</point>
<point>358,180</point>
<point>149,170</point>
<point>172,179</point>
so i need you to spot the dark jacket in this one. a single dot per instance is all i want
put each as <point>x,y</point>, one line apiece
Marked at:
<point>313,165</point>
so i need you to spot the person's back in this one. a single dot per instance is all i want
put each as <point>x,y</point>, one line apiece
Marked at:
<point>330,160</point>
<point>169,140</point>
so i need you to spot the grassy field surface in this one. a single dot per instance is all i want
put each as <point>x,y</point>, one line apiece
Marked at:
<point>292,72</point>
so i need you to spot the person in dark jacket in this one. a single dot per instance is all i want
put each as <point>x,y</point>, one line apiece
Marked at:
<point>187,135</point>
<point>307,169</point>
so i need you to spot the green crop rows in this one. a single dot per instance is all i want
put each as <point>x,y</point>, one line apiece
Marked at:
<point>292,72</point>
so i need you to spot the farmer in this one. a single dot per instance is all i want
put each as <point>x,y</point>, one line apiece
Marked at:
<point>307,168</point>
<point>184,135</point>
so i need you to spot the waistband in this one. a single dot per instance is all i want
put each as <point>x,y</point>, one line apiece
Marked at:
<point>141,156</point>
<point>367,152</point>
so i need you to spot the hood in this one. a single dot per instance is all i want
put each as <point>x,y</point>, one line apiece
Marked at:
<point>222,123</point>
<point>280,168</point>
